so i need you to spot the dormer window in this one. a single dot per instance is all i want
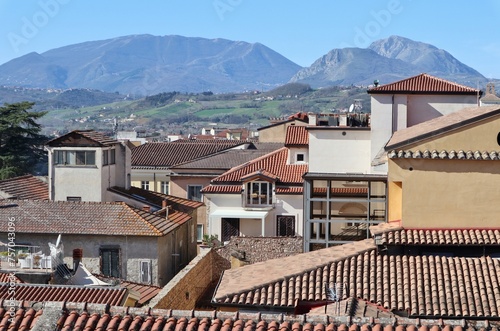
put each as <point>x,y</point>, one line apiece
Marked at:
<point>259,193</point>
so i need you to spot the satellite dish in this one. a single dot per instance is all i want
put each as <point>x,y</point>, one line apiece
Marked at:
<point>351,108</point>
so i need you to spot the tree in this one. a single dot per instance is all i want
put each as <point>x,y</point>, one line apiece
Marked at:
<point>21,144</point>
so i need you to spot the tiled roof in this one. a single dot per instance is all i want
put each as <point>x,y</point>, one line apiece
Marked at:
<point>146,292</point>
<point>274,163</point>
<point>436,286</point>
<point>7,277</point>
<point>222,189</point>
<point>260,174</point>
<point>445,155</point>
<point>179,151</point>
<point>94,136</point>
<point>68,316</point>
<point>424,84</point>
<point>396,235</point>
<point>289,190</point>
<point>226,159</point>
<point>25,318</point>
<point>24,187</point>
<point>86,218</point>
<point>440,125</point>
<point>296,136</point>
<point>250,284</point>
<point>180,204</point>
<point>38,293</point>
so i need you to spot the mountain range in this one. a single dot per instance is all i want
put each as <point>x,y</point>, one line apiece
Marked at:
<point>145,64</point>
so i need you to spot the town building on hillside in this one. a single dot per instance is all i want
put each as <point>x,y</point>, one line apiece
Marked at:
<point>83,164</point>
<point>345,188</point>
<point>262,197</point>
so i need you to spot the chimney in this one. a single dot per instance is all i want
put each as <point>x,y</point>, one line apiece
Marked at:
<point>146,208</point>
<point>77,258</point>
<point>312,119</point>
<point>164,203</point>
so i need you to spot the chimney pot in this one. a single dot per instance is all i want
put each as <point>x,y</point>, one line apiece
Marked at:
<point>146,208</point>
<point>164,203</point>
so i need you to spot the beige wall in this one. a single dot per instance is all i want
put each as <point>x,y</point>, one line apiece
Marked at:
<point>445,193</point>
<point>427,193</point>
<point>154,177</point>
<point>277,133</point>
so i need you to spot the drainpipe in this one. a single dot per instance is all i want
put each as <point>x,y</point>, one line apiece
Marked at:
<point>393,115</point>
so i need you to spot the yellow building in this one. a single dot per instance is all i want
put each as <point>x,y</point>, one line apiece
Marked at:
<point>445,173</point>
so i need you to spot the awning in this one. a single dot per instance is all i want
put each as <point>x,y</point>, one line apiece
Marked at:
<point>239,213</point>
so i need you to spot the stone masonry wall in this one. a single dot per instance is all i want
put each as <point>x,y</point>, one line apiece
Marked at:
<point>257,249</point>
<point>186,289</point>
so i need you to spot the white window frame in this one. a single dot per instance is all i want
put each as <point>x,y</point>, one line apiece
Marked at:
<point>145,271</point>
<point>199,233</point>
<point>256,199</point>
<point>164,186</point>
<point>145,185</point>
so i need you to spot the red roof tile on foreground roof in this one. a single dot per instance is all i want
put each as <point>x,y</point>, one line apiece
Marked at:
<point>396,235</point>
<point>24,187</point>
<point>425,83</point>
<point>157,198</point>
<point>92,317</point>
<point>38,293</point>
<point>86,218</point>
<point>7,277</point>
<point>441,125</point>
<point>274,163</point>
<point>434,286</point>
<point>146,292</point>
<point>296,136</point>
<point>179,151</point>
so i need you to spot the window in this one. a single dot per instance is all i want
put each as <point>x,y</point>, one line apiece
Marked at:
<point>300,157</point>
<point>112,156</point>
<point>230,228</point>
<point>74,157</point>
<point>105,159</point>
<point>75,199</point>
<point>199,232</point>
<point>145,270</point>
<point>194,192</point>
<point>164,187</point>
<point>145,185</point>
<point>259,193</point>
<point>110,262</point>
<point>285,226</point>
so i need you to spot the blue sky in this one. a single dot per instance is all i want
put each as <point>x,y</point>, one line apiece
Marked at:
<point>302,31</point>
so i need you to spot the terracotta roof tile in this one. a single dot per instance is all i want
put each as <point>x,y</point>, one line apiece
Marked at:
<point>396,235</point>
<point>434,286</point>
<point>425,84</point>
<point>296,136</point>
<point>180,204</point>
<point>93,317</point>
<point>222,189</point>
<point>274,163</point>
<point>24,187</point>
<point>445,155</point>
<point>9,277</point>
<point>94,136</point>
<point>179,151</point>
<point>39,293</point>
<point>441,125</point>
<point>89,218</point>
<point>226,159</point>
<point>146,292</point>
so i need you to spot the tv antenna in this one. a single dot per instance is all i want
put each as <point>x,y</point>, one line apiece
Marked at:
<point>335,294</point>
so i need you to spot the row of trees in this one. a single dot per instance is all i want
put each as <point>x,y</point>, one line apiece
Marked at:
<point>21,141</point>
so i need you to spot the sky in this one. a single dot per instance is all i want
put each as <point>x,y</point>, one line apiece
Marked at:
<point>302,31</point>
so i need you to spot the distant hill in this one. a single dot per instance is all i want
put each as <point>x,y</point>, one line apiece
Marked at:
<point>386,60</point>
<point>142,65</point>
<point>146,64</point>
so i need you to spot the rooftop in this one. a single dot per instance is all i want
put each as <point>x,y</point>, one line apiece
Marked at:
<point>83,138</point>
<point>24,187</point>
<point>424,84</point>
<point>84,218</point>
<point>441,125</point>
<point>179,151</point>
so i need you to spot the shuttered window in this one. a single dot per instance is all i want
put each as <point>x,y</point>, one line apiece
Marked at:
<point>110,262</point>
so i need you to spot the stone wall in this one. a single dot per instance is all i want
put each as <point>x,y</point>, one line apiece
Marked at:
<point>191,284</point>
<point>251,250</point>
